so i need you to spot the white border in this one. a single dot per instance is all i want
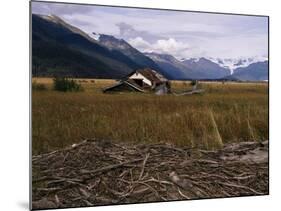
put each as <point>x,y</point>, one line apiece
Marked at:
<point>14,112</point>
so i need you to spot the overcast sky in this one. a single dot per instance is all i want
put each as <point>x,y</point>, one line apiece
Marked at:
<point>182,34</point>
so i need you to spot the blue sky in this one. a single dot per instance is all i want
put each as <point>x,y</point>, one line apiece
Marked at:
<point>182,34</point>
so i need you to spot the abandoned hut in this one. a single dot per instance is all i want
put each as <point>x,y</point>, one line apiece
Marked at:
<point>142,80</point>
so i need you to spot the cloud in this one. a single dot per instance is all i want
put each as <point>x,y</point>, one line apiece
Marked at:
<point>167,46</point>
<point>127,31</point>
<point>183,34</point>
<point>140,44</point>
<point>171,45</point>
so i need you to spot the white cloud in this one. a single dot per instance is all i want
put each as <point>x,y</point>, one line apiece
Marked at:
<point>140,44</point>
<point>168,46</point>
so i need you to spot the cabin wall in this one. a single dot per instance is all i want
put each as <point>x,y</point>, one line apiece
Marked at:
<point>140,76</point>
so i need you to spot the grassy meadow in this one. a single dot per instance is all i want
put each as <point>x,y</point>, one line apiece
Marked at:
<point>229,112</point>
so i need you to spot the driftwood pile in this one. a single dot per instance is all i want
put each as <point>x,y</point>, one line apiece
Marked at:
<point>101,172</point>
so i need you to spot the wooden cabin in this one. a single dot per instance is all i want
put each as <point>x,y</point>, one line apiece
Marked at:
<point>142,80</point>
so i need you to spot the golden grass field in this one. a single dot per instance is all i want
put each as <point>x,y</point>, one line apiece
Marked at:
<point>229,112</point>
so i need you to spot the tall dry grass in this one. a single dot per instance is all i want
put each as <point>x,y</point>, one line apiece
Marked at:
<point>225,113</point>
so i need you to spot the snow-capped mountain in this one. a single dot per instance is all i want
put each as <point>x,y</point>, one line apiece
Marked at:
<point>234,63</point>
<point>200,68</point>
<point>210,69</point>
<point>244,69</point>
<point>257,71</point>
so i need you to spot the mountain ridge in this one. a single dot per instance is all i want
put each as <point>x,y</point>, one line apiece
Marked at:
<point>254,72</point>
<point>82,56</point>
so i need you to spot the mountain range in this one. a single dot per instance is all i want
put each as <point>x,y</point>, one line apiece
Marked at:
<point>60,49</point>
<point>234,63</point>
<point>257,71</point>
